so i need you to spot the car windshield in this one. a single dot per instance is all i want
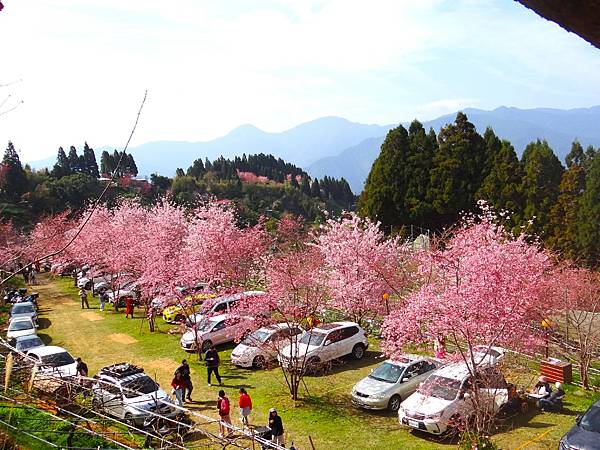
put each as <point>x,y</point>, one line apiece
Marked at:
<point>20,325</point>
<point>390,373</point>
<point>58,359</point>
<point>313,338</point>
<point>140,385</point>
<point>23,309</point>
<point>29,343</point>
<point>591,420</point>
<point>207,325</point>
<point>440,387</point>
<point>256,338</point>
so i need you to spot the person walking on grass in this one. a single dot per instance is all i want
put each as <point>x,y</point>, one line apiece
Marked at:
<point>178,387</point>
<point>245,406</point>
<point>224,407</point>
<point>103,299</point>
<point>83,297</point>
<point>184,369</point>
<point>128,307</point>
<point>276,426</point>
<point>211,357</point>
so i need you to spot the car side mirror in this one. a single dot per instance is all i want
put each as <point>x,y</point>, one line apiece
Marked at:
<point>327,343</point>
<point>578,418</point>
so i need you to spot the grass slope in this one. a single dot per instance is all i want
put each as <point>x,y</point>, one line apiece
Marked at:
<point>103,338</point>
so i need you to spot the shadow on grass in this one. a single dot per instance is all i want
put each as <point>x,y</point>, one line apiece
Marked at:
<point>348,363</point>
<point>44,322</point>
<point>46,338</point>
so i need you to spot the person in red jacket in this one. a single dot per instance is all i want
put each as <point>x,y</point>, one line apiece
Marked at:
<point>178,385</point>
<point>223,407</point>
<point>245,406</point>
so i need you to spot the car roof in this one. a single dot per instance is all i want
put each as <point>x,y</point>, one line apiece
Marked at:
<point>47,350</point>
<point>27,337</point>
<point>460,370</point>
<point>23,303</point>
<point>406,359</point>
<point>277,326</point>
<point>334,325</point>
<point>21,319</point>
<point>230,297</point>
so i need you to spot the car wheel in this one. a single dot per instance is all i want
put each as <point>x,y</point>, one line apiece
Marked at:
<point>358,351</point>
<point>129,420</point>
<point>179,318</point>
<point>312,365</point>
<point>206,346</point>
<point>259,362</point>
<point>394,403</point>
<point>96,404</point>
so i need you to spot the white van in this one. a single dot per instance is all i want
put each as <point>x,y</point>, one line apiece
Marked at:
<point>442,401</point>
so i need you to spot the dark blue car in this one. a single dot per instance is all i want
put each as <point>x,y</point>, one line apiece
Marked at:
<point>585,435</point>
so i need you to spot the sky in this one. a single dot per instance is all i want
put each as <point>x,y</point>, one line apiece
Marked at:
<point>80,67</point>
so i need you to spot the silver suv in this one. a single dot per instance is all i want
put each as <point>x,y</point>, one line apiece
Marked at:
<point>126,392</point>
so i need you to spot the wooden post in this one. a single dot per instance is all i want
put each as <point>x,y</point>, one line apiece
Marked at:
<point>311,442</point>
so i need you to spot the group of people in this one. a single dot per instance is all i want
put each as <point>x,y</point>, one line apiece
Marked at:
<point>29,272</point>
<point>182,389</point>
<point>103,297</point>
<point>548,399</point>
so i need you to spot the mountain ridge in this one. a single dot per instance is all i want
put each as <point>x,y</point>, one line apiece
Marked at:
<point>337,147</point>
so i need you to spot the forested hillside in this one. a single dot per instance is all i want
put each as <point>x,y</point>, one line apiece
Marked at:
<point>425,180</point>
<point>260,185</point>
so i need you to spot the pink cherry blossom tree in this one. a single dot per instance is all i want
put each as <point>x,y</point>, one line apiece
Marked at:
<point>482,287</point>
<point>578,310</point>
<point>295,290</point>
<point>219,252</point>
<point>363,265</point>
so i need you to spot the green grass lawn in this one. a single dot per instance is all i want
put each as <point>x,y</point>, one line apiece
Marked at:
<point>325,412</point>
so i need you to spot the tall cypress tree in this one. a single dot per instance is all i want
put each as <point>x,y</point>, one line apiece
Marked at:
<point>588,230</point>
<point>459,167</point>
<point>542,172</point>
<point>422,147</point>
<point>74,161</point>
<point>90,166</point>
<point>315,189</point>
<point>62,168</point>
<point>565,212</point>
<point>502,186</point>
<point>383,196</point>
<point>13,181</point>
<point>106,163</point>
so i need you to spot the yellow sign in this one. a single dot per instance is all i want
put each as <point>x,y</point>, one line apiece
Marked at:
<point>546,323</point>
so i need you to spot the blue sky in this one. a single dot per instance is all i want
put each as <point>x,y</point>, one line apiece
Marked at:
<point>211,66</point>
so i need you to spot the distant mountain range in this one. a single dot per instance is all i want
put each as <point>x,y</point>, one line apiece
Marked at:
<point>337,147</point>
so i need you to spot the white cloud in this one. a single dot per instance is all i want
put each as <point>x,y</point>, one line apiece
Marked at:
<point>210,66</point>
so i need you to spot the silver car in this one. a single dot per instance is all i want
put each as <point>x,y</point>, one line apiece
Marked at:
<point>24,309</point>
<point>392,382</point>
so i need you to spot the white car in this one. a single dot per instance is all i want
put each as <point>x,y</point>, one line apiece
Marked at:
<point>53,361</point>
<point>494,354</point>
<point>220,305</point>
<point>20,326</point>
<point>214,330</point>
<point>125,391</point>
<point>261,347</point>
<point>393,381</point>
<point>443,402</point>
<point>324,343</point>
<point>128,289</point>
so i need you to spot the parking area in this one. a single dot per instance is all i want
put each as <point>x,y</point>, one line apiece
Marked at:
<point>325,411</point>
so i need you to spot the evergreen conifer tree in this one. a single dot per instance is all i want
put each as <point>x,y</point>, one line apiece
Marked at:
<point>74,162</point>
<point>588,235</point>
<point>13,180</point>
<point>542,173</point>
<point>62,167</point>
<point>383,196</point>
